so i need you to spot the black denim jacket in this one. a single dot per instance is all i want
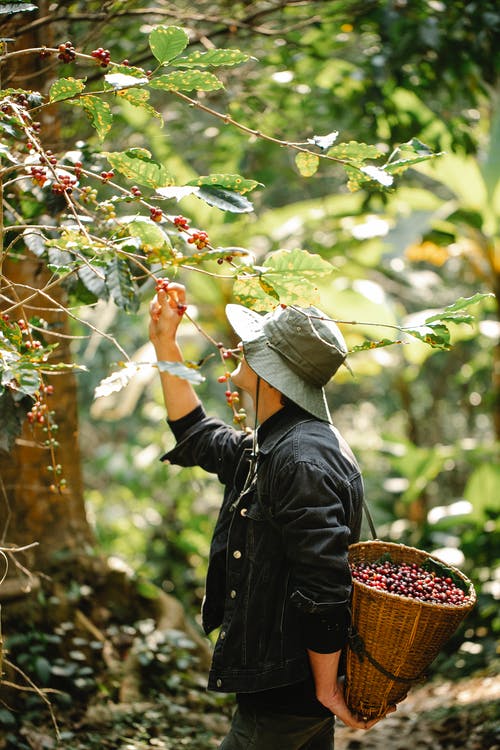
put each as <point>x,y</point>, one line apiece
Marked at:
<point>278,580</point>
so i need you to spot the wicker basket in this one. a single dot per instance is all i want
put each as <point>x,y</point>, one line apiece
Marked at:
<point>395,638</point>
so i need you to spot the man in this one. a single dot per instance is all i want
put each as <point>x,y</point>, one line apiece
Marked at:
<point>278,582</point>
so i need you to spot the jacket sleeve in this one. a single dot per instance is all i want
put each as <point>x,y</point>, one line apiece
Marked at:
<point>312,517</point>
<point>207,442</point>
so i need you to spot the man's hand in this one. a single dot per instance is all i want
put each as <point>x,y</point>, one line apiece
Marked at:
<point>165,311</point>
<point>165,314</point>
<point>335,702</point>
<point>330,689</point>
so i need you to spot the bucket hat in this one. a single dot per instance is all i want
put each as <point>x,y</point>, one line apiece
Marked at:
<point>296,350</point>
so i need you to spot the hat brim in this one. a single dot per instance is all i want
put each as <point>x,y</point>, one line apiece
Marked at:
<point>271,366</point>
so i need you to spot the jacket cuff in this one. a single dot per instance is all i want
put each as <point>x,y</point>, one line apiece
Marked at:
<point>325,625</point>
<point>325,634</point>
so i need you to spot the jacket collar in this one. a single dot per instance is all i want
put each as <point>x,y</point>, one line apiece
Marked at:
<point>276,427</point>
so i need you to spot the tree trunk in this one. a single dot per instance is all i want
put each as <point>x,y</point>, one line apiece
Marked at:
<point>30,511</point>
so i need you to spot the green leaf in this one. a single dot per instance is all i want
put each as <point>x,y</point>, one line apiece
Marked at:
<point>213,57</point>
<point>228,181</point>
<point>92,280</point>
<point>139,98</point>
<point>401,165</point>
<point>225,200</point>
<point>98,112</point>
<point>483,489</point>
<point>121,286</point>
<point>117,380</point>
<point>153,239</point>
<point>166,42</point>
<point>35,242</point>
<point>307,164</point>
<point>366,345</point>
<point>128,70</point>
<point>378,174</point>
<point>443,571</point>
<point>42,669</point>
<point>8,8</point>
<point>6,154</point>
<point>361,177</point>
<point>137,165</point>
<point>12,416</point>
<point>454,312</point>
<point>187,80</point>
<point>11,334</point>
<point>65,88</point>
<point>436,335</point>
<point>268,288</point>
<point>290,276</point>
<point>63,367</point>
<point>59,260</point>
<point>354,152</point>
<point>182,371</point>
<point>27,376</point>
<point>408,154</point>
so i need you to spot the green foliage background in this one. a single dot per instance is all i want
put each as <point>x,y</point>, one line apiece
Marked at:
<point>421,420</point>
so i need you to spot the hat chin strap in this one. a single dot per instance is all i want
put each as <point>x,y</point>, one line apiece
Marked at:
<point>252,464</point>
<point>256,406</point>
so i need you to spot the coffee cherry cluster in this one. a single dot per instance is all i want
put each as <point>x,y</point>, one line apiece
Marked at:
<point>65,184</point>
<point>49,158</point>
<point>156,214</point>
<point>200,239</point>
<point>38,176</point>
<point>88,194</point>
<point>105,176</point>
<point>162,286</point>
<point>135,191</point>
<point>102,55</point>
<point>66,52</point>
<point>410,580</point>
<point>181,223</point>
<point>232,397</point>
<point>227,258</point>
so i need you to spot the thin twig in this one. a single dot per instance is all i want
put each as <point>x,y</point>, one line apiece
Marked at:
<point>34,689</point>
<point>66,310</point>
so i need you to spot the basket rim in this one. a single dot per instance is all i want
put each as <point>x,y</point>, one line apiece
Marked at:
<point>398,597</point>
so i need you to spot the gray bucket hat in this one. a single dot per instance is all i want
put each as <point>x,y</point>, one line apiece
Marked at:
<point>296,350</point>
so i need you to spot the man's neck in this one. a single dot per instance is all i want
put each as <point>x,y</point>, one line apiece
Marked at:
<point>269,402</point>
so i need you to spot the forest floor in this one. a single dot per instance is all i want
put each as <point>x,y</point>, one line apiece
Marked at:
<point>440,715</point>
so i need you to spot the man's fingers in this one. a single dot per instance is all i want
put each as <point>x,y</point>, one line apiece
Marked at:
<point>155,308</point>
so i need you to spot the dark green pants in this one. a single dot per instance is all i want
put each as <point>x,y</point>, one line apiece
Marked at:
<point>252,730</point>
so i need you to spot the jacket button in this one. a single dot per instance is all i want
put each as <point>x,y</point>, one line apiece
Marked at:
<point>237,554</point>
<point>233,594</point>
<point>222,635</point>
<point>219,683</point>
<point>243,511</point>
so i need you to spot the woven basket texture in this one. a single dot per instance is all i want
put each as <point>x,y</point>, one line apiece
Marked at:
<point>403,635</point>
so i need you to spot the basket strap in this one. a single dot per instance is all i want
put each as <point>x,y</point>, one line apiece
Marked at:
<point>369,519</point>
<point>357,645</point>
